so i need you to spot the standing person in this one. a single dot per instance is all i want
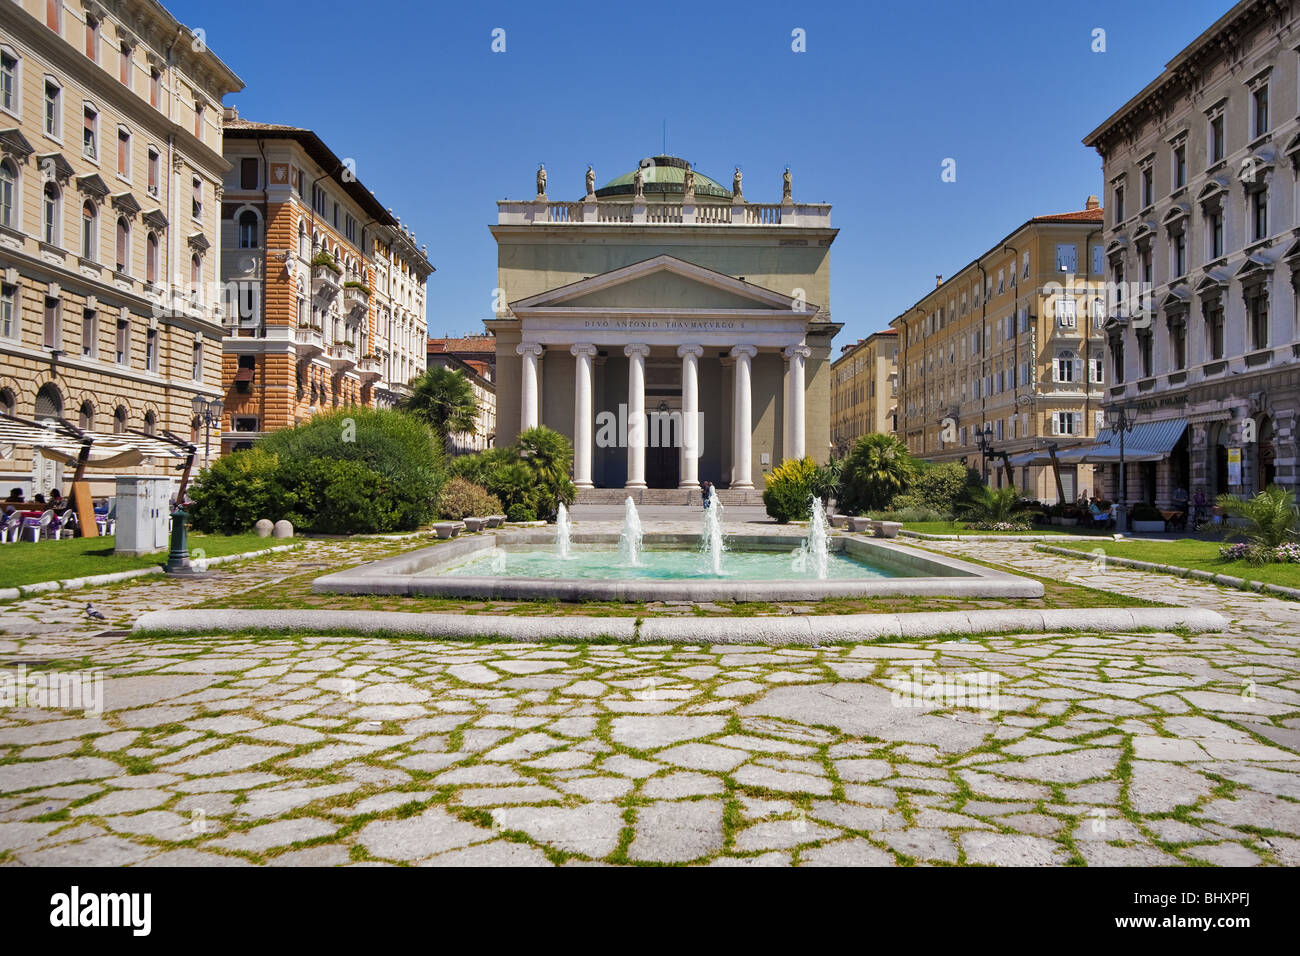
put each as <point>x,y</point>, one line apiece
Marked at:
<point>1198,508</point>
<point>706,487</point>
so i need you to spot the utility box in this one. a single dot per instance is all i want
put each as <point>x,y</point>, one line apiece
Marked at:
<point>143,515</point>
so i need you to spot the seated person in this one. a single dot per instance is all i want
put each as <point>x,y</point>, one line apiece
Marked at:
<point>15,496</point>
<point>57,501</point>
<point>1099,514</point>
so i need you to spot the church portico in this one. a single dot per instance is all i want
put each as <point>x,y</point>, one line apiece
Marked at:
<point>664,371</point>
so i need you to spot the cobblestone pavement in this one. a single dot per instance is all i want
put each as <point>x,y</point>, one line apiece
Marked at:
<point>1110,749</point>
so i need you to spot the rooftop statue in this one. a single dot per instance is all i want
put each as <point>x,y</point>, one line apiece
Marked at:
<point>541,179</point>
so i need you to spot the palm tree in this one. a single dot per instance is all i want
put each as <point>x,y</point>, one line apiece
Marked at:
<point>878,468</point>
<point>985,505</point>
<point>1270,518</point>
<point>549,456</point>
<point>444,400</point>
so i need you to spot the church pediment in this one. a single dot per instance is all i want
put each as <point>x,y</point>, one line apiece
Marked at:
<point>664,282</point>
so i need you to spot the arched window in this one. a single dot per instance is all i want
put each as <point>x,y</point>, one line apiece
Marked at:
<point>151,257</point>
<point>302,240</point>
<point>8,403</point>
<point>49,403</point>
<point>50,215</point>
<point>150,423</point>
<point>119,420</point>
<point>1068,368</point>
<point>88,220</point>
<point>123,246</point>
<point>196,279</point>
<point>86,417</point>
<point>8,193</point>
<point>248,230</point>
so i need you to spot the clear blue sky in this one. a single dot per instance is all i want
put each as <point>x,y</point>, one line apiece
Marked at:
<point>441,127</point>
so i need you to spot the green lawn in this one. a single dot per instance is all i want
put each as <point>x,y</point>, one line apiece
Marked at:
<point>27,562</point>
<point>1200,556</point>
<point>959,527</point>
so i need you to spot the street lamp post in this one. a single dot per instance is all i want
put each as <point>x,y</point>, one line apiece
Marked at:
<point>985,441</point>
<point>1122,419</point>
<point>208,412</point>
<point>178,557</point>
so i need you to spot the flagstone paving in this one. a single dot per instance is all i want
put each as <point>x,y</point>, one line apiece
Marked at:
<point>1101,749</point>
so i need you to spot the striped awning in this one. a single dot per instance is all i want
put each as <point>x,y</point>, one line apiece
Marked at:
<point>60,440</point>
<point>1148,441</point>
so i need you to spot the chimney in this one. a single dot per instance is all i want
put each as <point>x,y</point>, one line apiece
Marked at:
<point>938,281</point>
<point>1092,203</point>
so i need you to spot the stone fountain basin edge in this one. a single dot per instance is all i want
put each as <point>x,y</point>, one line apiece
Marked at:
<point>925,574</point>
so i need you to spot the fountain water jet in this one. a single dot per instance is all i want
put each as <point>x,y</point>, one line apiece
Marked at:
<point>562,541</point>
<point>629,542</point>
<point>813,556</point>
<point>711,545</point>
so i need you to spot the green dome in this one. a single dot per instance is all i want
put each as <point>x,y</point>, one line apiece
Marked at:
<point>664,179</point>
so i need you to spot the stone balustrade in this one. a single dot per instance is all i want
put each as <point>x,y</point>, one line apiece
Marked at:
<point>774,215</point>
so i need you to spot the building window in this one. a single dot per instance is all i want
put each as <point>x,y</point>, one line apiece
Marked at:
<point>1066,313</point>
<point>90,132</point>
<point>1259,214</point>
<point>1146,356</point>
<point>1148,186</point>
<point>350,229</point>
<point>50,215</point>
<point>1180,166</point>
<point>153,172</point>
<point>155,88</point>
<point>122,343</point>
<point>1067,367</point>
<point>123,246</point>
<point>119,421</point>
<point>53,323</point>
<point>151,258</point>
<point>318,200</point>
<point>150,423</point>
<point>8,81</point>
<point>248,174</point>
<point>54,15</point>
<point>1216,138</point>
<point>53,99</point>
<point>1096,370</point>
<point>1257,316</point>
<point>8,311</point>
<point>1214,331</point>
<point>248,230</point>
<point>1259,107</point>
<point>198,121</point>
<point>1117,358</point>
<point>1214,225</point>
<point>124,65</point>
<point>1178,344</point>
<point>151,350</point>
<point>196,198</point>
<point>86,417</point>
<point>88,219</point>
<point>1067,257</point>
<point>1148,266</point>
<point>1067,423</point>
<point>124,153</point>
<point>92,38</point>
<point>8,193</point>
<point>1119,202</point>
<point>89,333</point>
<point>1180,254</point>
<point>196,362</point>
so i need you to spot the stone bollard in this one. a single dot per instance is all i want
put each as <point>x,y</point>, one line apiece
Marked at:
<point>264,528</point>
<point>283,529</point>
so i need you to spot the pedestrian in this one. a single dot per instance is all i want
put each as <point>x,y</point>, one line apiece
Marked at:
<point>706,491</point>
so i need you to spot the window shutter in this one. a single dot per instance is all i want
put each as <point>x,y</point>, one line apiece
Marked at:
<point>1078,423</point>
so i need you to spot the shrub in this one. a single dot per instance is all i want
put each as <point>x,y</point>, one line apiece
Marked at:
<point>236,492</point>
<point>909,515</point>
<point>400,450</point>
<point>986,507</point>
<point>336,496</point>
<point>520,512</point>
<point>877,469</point>
<point>941,487</point>
<point>464,499</point>
<point>789,490</point>
<point>1270,517</point>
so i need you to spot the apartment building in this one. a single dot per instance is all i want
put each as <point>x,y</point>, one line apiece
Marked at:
<point>325,288</point>
<point>475,358</point>
<point>1200,166</point>
<point>1001,364</point>
<point>110,184</point>
<point>864,389</point>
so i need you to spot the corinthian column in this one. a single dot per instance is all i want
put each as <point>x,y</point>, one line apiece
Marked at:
<point>691,437</point>
<point>636,429</point>
<point>528,401</point>
<point>582,389</point>
<point>795,356</point>
<point>741,425</point>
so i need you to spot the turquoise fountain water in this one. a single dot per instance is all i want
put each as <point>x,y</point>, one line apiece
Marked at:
<point>813,555</point>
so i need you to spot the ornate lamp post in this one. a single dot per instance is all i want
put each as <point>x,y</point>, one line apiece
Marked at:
<point>178,557</point>
<point>208,412</point>
<point>985,441</point>
<point>1122,418</point>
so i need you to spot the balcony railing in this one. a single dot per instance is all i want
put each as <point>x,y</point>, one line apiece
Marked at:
<point>355,299</point>
<point>324,279</point>
<point>342,356</point>
<point>370,368</point>
<point>309,341</point>
<point>602,213</point>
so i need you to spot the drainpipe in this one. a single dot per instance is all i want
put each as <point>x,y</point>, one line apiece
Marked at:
<point>170,86</point>
<point>984,345</point>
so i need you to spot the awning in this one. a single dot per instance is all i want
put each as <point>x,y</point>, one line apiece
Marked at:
<point>1148,441</point>
<point>60,441</point>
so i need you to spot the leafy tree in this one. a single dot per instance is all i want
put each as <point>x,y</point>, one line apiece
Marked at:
<point>444,400</point>
<point>878,468</point>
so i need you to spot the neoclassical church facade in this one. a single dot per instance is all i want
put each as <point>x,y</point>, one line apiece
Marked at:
<point>675,331</point>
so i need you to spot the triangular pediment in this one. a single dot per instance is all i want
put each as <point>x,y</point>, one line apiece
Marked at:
<point>663,282</point>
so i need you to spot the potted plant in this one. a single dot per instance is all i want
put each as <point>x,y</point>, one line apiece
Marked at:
<point>1147,518</point>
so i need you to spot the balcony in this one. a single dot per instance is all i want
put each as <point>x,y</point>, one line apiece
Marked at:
<point>619,213</point>
<point>370,368</point>
<point>325,277</point>
<point>342,356</point>
<point>308,341</point>
<point>356,298</point>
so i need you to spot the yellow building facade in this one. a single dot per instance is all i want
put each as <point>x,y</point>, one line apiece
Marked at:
<point>1003,362</point>
<point>864,389</point>
<point>110,184</point>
